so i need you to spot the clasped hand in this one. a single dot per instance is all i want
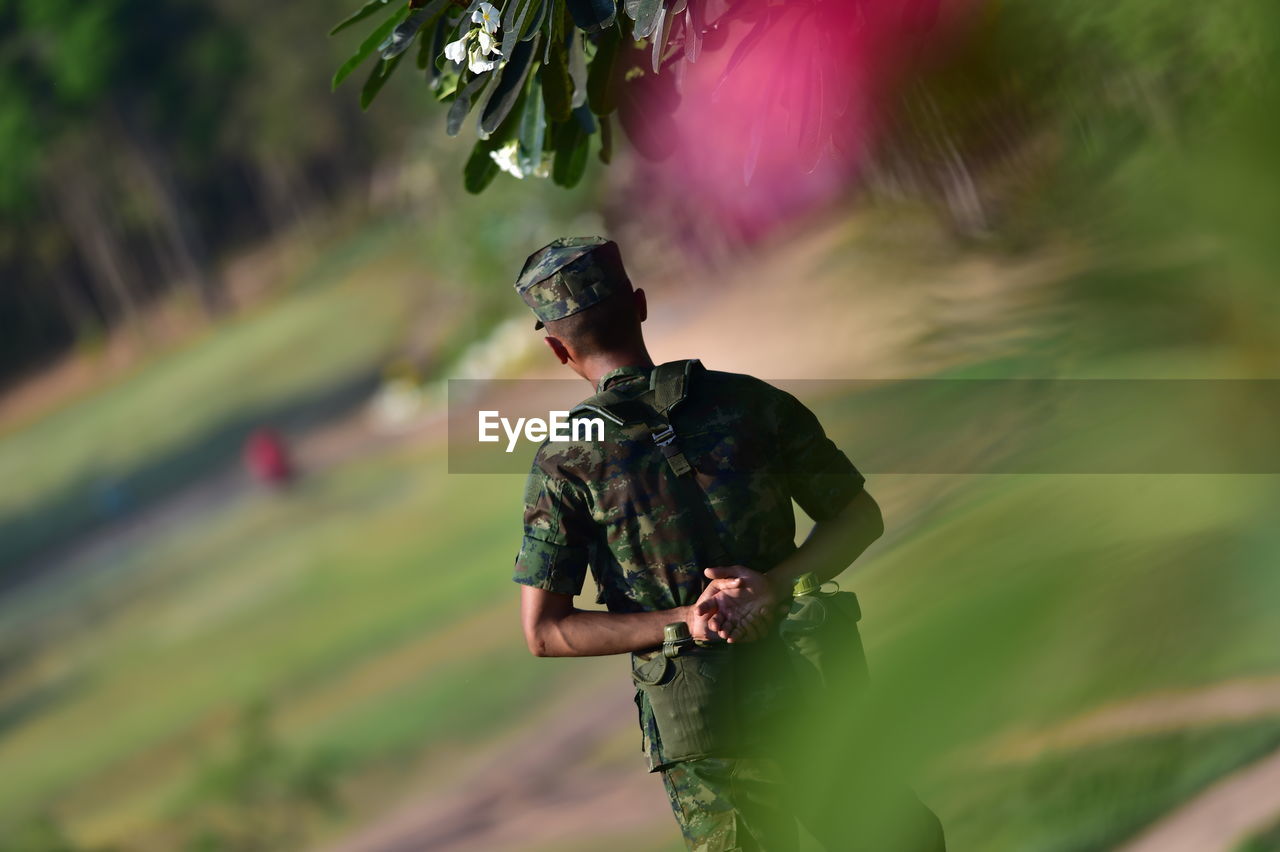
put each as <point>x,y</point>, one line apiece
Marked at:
<point>738,605</point>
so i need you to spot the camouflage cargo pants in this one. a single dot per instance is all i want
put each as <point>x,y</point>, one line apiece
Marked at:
<point>725,805</point>
<point>750,805</point>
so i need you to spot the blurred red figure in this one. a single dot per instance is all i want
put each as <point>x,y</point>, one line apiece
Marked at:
<point>267,458</point>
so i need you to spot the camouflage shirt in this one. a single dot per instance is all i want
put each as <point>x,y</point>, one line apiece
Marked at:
<point>614,506</point>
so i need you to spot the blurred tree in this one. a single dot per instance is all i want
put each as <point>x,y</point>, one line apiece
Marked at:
<point>152,78</point>
<point>138,141</point>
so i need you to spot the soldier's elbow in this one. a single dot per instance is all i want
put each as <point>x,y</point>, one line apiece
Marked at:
<point>537,642</point>
<point>875,524</point>
<point>870,518</point>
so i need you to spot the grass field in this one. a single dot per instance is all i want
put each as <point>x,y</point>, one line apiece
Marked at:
<point>185,414</point>
<point>370,609</point>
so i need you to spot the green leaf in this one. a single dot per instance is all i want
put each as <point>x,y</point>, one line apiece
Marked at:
<point>534,24</point>
<point>661,30</point>
<point>480,169</point>
<point>602,83</point>
<point>592,15</point>
<point>404,33</point>
<point>462,102</point>
<point>647,14</point>
<point>509,129</point>
<point>692,33</point>
<point>572,142</point>
<point>510,85</point>
<point>557,87</point>
<point>555,27</point>
<point>512,21</point>
<point>577,69</point>
<point>645,106</point>
<point>369,45</point>
<point>430,45</point>
<point>382,71</point>
<point>533,128</point>
<point>360,14</point>
<point>402,36</point>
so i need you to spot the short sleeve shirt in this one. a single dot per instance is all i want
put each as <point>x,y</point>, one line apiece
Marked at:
<point>613,507</point>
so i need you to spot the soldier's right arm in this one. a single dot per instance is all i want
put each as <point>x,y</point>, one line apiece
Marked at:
<point>553,627</point>
<point>552,565</point>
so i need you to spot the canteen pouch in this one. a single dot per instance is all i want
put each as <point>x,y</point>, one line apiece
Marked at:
<point>826,651</point>
<point>691,697</point>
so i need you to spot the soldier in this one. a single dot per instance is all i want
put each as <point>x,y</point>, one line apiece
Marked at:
<point>683,514</point>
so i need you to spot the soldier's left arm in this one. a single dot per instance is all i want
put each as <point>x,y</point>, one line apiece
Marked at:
<point>832,544</point>
<point>831,491</point>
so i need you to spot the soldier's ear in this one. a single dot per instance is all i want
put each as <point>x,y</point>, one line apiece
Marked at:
<point>642,305</point>
<point>559,349</point>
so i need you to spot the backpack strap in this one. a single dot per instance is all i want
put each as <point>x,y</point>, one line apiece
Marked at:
<point>669,385</point>
<point>618,409</point>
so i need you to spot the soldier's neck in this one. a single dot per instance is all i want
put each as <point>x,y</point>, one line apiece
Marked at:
<point>606,362</point>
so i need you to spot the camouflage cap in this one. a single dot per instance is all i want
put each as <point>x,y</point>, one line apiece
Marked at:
<point>569,275</point>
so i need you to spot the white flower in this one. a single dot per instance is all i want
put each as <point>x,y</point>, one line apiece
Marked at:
<point>487,17</point>
<point>478,64</point>
<point>488,44</point>
<point>456,51</point>
<point>505,157</point>
<point>508,159</point>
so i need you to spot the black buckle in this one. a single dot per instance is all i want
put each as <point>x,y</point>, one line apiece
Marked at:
<point>665,437</point>
<point>666,441</point>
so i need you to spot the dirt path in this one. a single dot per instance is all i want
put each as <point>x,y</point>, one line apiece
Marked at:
<point>1222,703</point>
<point>1221,817</point>
<point>1218,818</point>
<point>542,785</point>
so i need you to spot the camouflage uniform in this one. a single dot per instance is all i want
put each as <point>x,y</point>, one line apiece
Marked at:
<point>613,507</point>
<point>570,275</point>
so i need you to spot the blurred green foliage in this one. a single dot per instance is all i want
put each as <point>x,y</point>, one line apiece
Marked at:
<point>261,796</point>
<point>1264,841</point>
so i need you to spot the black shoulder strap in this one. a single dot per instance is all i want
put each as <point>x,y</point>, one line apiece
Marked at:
<point>669,385</point>
<point>612,406</point>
